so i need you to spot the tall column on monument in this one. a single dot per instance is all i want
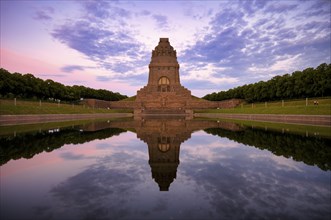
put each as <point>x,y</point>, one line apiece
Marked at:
<point>164,64</point>
<point>163,93</point>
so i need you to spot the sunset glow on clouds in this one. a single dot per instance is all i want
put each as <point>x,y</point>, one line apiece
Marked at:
<point>108,44</point>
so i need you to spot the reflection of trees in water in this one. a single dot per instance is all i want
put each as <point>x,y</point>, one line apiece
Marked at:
<point>30,144</point>
<point>310,150</point>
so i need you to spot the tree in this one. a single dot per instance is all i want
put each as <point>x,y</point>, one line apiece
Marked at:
<point>300,84</point>
<point>28,86</point>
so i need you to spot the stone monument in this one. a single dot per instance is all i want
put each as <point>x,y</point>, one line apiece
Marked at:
<point>163,92</point>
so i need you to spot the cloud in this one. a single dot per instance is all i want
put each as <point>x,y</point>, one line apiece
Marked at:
<point>200,84</point>
<point>72,156</point>
<point>206,76</point>
<point>214,172</point>
<point>105,189</point>
<point>104,9</point>
<point>89,192</point>
<point>280,8</point>
<point>248,193</point>
<point>94,42</point>
<point>133,80</point>
<point>320,8</point>
<point>52,75</point>
<point>137,79</point>
<point>228,18</point>
<point>250,7</point>
<point>145,12</point>
<point>120,66</point>
<point>44,14</point>
<point>161,21</point>
<point>97,9</point>
<point>216,48</point>
<point>103,78</point>
<point>103,35</point>
<point>227,43</point>
<point>259,37</point>
<point>197,10</point>
<point>248,181</point>
<point>71,68</point>
<point>114,51</point>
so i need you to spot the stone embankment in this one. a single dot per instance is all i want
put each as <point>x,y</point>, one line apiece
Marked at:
<point>167,104</point>
<point>323,120</point>
<point>32,119</point>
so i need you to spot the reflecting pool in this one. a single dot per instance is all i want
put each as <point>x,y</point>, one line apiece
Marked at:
<point>164,168</point>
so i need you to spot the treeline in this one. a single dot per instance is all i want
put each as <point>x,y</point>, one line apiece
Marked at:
<point>300,84</point>
<point>27,86</point>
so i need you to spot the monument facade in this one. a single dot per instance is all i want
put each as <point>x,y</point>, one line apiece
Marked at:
<point>163,93</point>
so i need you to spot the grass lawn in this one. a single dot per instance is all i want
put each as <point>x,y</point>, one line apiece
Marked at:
<point>287,107</point>
<point>132,98</point>
<point>7,107</point>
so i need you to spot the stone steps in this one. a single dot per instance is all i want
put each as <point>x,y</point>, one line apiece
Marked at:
<point>163,111</point>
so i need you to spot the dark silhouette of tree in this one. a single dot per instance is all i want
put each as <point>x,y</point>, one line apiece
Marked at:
<point>300,84</point>
<point>28,86</point>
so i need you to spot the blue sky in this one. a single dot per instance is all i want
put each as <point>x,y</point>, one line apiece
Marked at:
<point>108,44</point>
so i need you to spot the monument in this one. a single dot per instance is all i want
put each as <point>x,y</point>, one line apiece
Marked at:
<point>163,93</point>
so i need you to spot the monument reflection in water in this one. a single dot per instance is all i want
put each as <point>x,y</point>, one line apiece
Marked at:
<point>232,173</point>
<point>164,137</point>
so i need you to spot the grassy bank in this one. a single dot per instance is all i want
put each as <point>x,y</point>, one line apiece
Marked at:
<point>16,129</point>
<point>295,107</point>
<point>305,130</point>
<point>8,107</point>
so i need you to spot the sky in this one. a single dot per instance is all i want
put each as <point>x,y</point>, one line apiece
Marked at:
<point>107,44</point>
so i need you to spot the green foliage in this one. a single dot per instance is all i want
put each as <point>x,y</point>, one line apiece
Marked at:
<point>28,86</point>
<point>132,98</point>
<point>300,84</point>
<point>310,150</point>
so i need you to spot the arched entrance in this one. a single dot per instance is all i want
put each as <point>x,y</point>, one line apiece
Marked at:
<point>164,84</point>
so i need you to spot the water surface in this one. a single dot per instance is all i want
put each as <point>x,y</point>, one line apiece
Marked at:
<point>164,169</point>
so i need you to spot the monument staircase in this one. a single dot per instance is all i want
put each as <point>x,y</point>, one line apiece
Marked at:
<point>164,111</point>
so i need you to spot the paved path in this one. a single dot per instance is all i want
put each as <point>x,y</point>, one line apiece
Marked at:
<point>33,119</point>
<point>322,120</point>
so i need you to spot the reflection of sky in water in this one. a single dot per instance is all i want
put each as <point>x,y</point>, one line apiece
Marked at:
<point>111,179</point>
